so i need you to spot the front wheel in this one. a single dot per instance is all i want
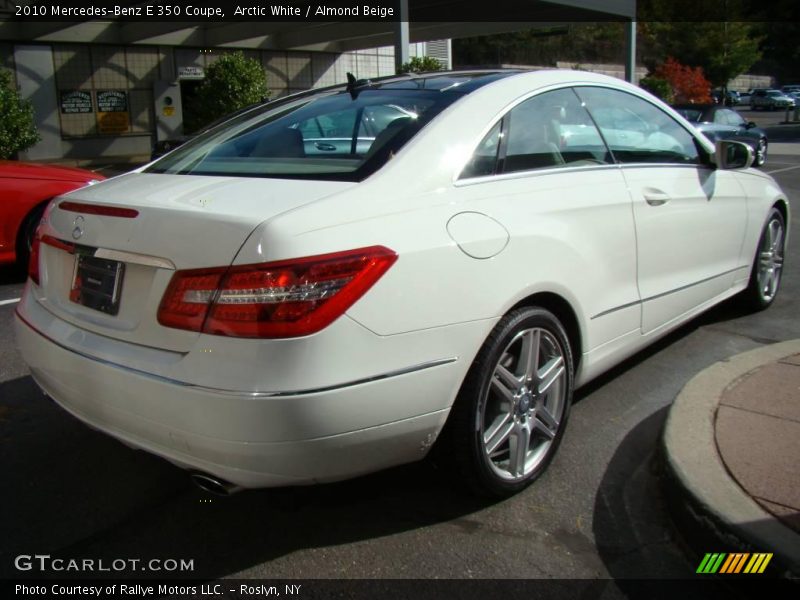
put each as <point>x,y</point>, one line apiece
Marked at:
<point>510,414</point>
<point>761,152</point>
<point>765,278</point>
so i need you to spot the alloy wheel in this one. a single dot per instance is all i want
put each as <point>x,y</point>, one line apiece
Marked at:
<point>524,405</point>
<point>761,152</point>
<point>770,259</point>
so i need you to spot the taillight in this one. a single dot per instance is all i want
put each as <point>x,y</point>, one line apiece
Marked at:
<point>272,300</point>
<point>33,259</point>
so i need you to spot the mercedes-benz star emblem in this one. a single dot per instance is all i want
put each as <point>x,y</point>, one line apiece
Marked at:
<point>77,232</point>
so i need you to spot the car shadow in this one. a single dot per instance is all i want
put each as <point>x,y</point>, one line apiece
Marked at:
<point>74,492</point>
<point>630,523</point>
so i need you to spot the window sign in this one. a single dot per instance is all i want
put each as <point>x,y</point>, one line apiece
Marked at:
<point>75,102</point>
<point>112,111</point>
<point>112,101</point>
<point>191,72</point>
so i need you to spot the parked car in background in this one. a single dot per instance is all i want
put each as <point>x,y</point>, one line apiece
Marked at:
<point>25,190</point>
<point>770,100</point>
<point>718,122</point>
<point>744,97</point>
<point>731,97</point>
<point>787,89</point>
<point>263,316</point>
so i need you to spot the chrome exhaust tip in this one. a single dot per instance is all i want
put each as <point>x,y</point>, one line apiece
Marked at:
<point>214,485</point>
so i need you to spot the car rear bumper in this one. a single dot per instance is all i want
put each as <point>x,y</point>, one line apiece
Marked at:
<point>231,435</point>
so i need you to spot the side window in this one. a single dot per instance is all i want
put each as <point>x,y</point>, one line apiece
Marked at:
<point>327,135</point>
<point>637,131</point>
<point>332,125</point>
<point>735,119</point>
<point>484,159</point>
<point>552,130</point>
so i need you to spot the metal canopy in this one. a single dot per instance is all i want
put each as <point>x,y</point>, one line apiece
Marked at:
<point>323,36</point>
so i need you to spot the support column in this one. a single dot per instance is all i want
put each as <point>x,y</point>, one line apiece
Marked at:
<point>630,50</point>
<point>37,82</point>
<point>401,37</point>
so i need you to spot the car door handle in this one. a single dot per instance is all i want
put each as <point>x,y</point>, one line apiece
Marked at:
<point>325,147</point>
<point>655,197</point>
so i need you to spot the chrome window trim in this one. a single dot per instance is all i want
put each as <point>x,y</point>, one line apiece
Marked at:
<point>534,173</point>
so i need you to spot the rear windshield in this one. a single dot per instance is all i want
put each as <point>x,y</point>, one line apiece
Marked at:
<point>329,135</point>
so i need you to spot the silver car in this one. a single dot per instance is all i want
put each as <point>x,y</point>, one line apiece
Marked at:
<point>770,100</point>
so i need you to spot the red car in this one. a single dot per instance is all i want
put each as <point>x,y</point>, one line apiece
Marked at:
<point>25,190</point>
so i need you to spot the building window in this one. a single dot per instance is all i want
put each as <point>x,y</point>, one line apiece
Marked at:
<point>105,90</point>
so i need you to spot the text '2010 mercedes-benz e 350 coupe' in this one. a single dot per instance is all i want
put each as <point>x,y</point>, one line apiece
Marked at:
<point>336,282</point>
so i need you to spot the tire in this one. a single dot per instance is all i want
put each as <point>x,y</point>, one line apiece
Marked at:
<point>506,404</point>
<point>25,235</point>
<point>760,152</point>
<point>765,277</point>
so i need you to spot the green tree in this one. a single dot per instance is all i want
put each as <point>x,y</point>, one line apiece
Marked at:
<point>659,87</point>
<point>232,82</point>
<point>780,50</point>
<point>715,40</point>
<point>17,129</point>
<point>576,43</point>
<point>421,64</point>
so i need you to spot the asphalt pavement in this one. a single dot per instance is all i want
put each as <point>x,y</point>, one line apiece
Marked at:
<point>601,511</point>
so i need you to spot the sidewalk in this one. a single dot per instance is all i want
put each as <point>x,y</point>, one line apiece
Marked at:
<point>732,452</point>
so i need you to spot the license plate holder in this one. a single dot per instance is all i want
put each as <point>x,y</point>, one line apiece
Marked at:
<point>97,283</point>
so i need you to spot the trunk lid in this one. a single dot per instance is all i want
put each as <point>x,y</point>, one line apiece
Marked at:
<point>183,222</point>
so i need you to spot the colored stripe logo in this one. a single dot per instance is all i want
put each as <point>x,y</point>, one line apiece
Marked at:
<point>737,562</point>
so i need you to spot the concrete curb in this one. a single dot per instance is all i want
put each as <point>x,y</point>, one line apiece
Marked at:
<point>711,505</point>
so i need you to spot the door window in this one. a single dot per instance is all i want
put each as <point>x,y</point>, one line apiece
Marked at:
<point>637,131</point>
<point>734,118</point>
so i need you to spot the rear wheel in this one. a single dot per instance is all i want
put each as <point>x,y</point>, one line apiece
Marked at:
<point>510,414</point>
<point>765,278</point>
<point>26,234</point>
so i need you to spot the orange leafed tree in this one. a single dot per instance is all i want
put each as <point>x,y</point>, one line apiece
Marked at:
<point>689,84</point>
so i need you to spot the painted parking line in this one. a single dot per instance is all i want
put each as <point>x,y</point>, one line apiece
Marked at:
<point>11,301</point>
<point>782,170</point>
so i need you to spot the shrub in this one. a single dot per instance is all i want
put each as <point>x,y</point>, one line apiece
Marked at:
<point>232,82</point>
<point>689,85</point>
<point>17,129</point>
<point>660,88</point>
<point>421,64</point>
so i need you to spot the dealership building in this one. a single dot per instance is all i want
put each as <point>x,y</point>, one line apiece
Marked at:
<point>111,88</point>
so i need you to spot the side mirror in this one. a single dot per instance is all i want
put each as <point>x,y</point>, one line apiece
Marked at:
<point>750,125</point>
<point>733,155</point>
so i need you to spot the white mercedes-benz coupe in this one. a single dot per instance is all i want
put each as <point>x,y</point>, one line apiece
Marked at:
<point>335,282</point>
